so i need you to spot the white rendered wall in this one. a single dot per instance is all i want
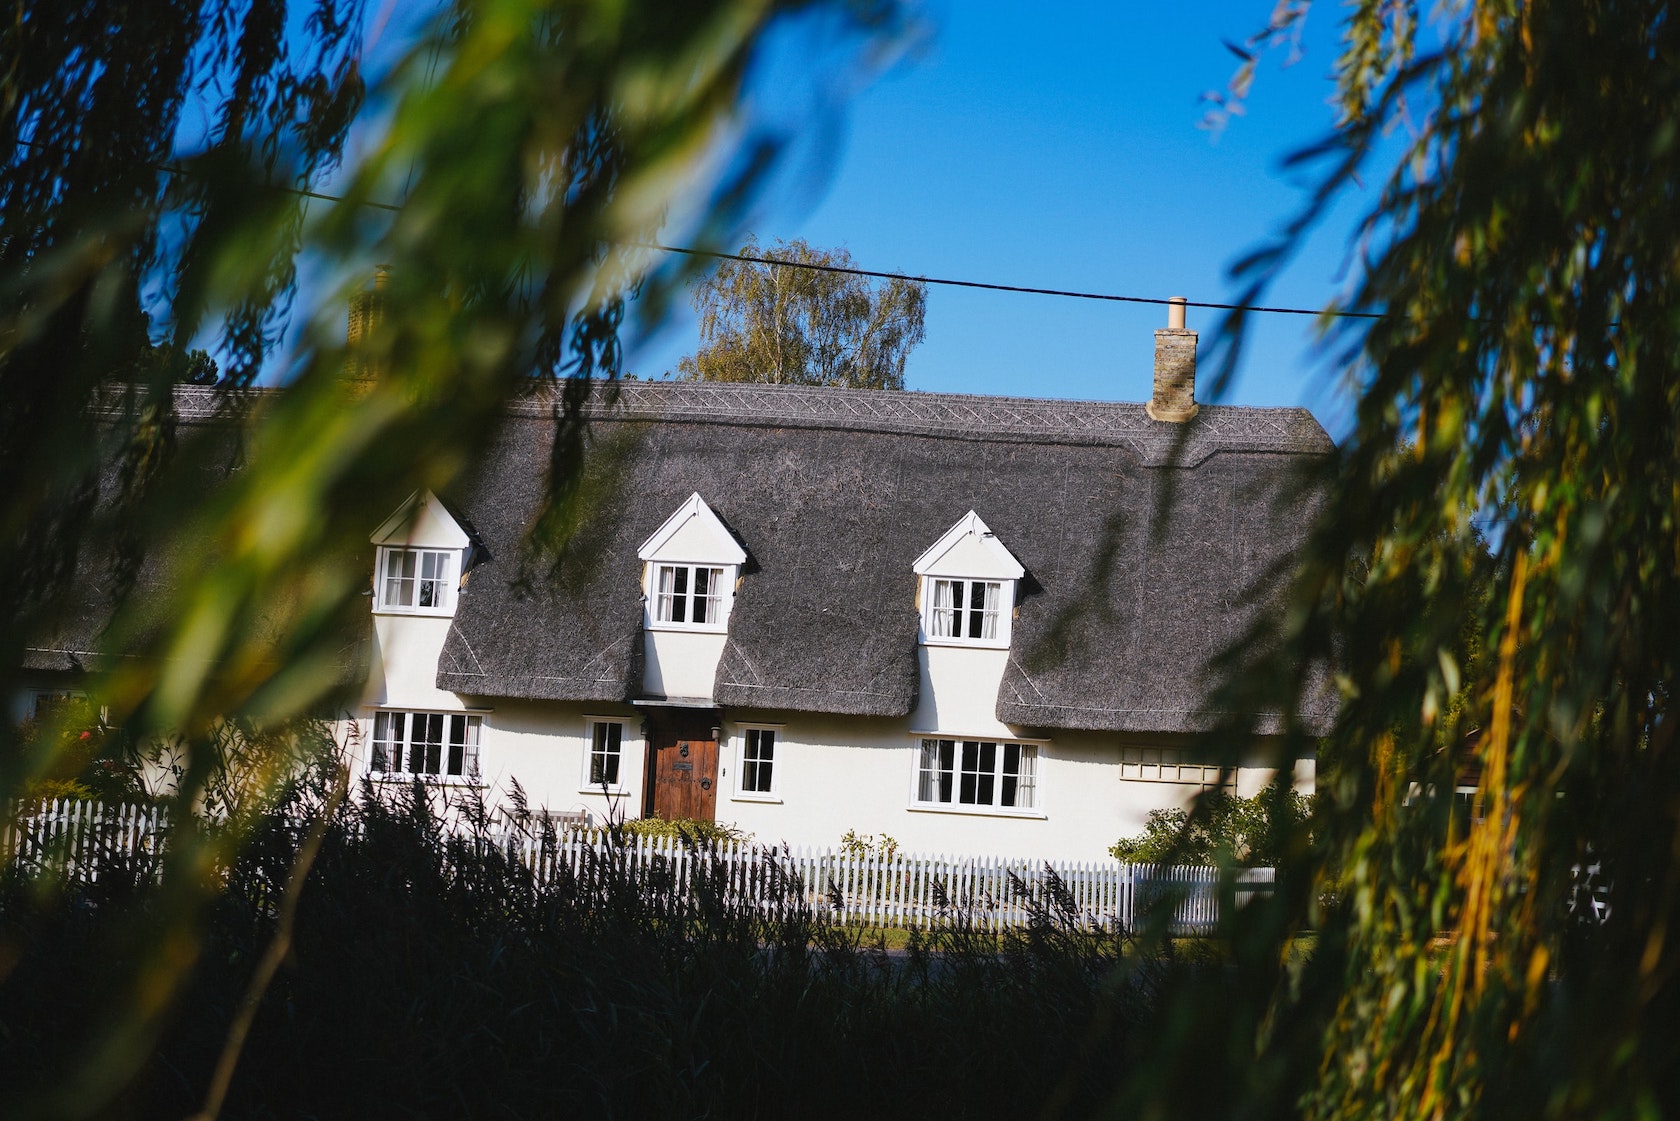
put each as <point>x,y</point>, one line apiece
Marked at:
<point>680,663</point>
<point>545,746</point>
<point>959,690</point>
<point>403,671</point>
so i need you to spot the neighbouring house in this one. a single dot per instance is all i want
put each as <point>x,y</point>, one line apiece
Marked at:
<point>956,620</point>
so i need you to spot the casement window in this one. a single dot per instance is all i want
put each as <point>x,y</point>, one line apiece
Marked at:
<point>964,609</point>
<point>758,761</point>
<point>440,745</point>
<point>967,589</point>
<point>419,581</point>
<point>606,754</point>
<point>1168,764</point>
<point>690,595</point>
<point>979,773</point>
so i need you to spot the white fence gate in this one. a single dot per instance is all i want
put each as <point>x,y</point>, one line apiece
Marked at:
<point>74,838</point>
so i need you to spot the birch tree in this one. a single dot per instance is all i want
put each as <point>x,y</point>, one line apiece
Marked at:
<point>804,325</point>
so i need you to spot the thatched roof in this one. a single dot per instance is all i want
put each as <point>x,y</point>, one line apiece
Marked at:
<point>834,493</point>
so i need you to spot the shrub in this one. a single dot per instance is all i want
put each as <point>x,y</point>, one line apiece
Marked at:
<point>1222,829</point>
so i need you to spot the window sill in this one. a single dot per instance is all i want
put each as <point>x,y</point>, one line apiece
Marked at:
<point>968,643</point>
<point>385,779</point>
<point>680,628</point>
<point>767,799</point>
<point>979,811</point>
<point>419,612</point>
<point>609,792</point>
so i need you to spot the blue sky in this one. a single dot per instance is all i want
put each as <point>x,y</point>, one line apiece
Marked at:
<point>1057,145</point>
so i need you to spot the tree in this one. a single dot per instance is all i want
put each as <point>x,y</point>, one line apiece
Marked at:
<point>1519,379</point>
<point>804,326</point>
<point>197,152</point>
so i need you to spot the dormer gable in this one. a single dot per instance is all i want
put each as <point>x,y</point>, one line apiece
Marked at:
<point>422,522</point>
<point>422,552</point>
<point>695,535</point>
<point>691,564</point>
<point>967,587</point>
<point>969,549</point>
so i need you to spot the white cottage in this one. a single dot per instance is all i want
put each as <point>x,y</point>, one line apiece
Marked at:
<point>955,620</point>
<point>801,611</point>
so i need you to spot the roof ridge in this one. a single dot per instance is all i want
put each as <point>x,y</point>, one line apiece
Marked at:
<point>959,416</point>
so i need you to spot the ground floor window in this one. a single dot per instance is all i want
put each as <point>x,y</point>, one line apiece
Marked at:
<point>426,744</point>
<point>758,761</point>
<point>606,753</point>
<point>977,773</point>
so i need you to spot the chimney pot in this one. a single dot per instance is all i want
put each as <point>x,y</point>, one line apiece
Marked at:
<point>1174,398</point>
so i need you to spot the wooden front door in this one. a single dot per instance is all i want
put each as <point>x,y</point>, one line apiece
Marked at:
<point>682,767</point>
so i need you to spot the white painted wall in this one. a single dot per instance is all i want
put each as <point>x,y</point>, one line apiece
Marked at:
<point>680,663</point>
<point>958,692</point>
<point>403,668</point>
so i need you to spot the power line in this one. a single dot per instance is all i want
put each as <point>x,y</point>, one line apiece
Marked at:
<point>812,266</point>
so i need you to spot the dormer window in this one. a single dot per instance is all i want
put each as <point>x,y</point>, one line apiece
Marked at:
<point>419,562</point>
<point>416,580</point>
<point>964,609</point>
<point>691,565</point>
<point>688,593</point>
<point>967,590</point>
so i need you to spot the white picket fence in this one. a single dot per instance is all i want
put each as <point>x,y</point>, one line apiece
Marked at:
<point>73,839</point>
<point>915,889</point>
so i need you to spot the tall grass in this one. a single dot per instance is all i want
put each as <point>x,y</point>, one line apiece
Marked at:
<point>431,975</point>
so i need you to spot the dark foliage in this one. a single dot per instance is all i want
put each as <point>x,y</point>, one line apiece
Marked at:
<point>431,975</point>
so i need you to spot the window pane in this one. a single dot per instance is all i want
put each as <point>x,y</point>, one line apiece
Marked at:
<point>381,741</point>
<point>702,594</point>
<point>457,745</point>
<point>427,595</point>
<point>427,756</point>
<point>606,742</point>
<point>1026,786</point>
<point>679,594</point>
<point>399,578</point>
<point>470,752</point>
<point>758,760</point>
<point>1011,774</point>
<point>944,610</point>
<point>986,774</point>
<point>989,612</point>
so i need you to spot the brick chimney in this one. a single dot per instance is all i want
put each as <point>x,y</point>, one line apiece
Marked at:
<point>367,309</point>
<point>1174,399</point>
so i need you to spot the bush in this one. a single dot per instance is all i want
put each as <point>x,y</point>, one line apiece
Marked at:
<point>692,831</point>
<point>1223,829</point>
<point>431,974</point>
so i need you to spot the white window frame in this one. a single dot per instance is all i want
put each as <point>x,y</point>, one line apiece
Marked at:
<point>1168,765</point>
<point>941,614</point>
<point>382,738</point>
<point>1029,767</point>
<point>626,742</point>
<point>745,734</point>
<point>662,600</point>
<point>443,585</point>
